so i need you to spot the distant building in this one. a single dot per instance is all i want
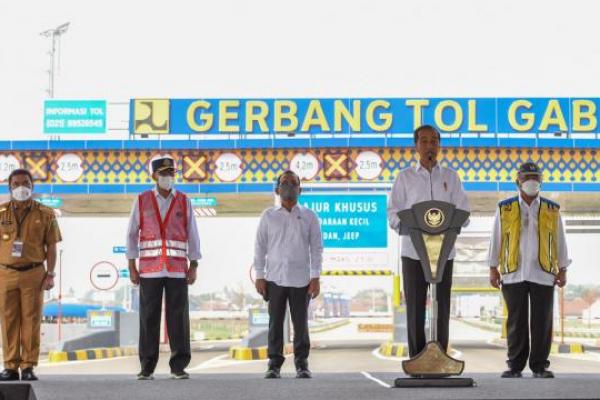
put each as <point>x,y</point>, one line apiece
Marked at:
<point>592,311</point>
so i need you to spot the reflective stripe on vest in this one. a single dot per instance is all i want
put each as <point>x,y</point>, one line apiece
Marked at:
<point>548,234</point>
<point>163,243</point>
<point>158,252</point>
<point>510,234</point>
<point>153,244</point>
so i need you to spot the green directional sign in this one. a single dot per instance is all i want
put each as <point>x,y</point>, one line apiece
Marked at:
<point>52,202</point>
<point>74,116</point>
<point>203,202</point>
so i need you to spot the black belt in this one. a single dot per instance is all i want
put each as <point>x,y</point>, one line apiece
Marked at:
<point>23,268</point>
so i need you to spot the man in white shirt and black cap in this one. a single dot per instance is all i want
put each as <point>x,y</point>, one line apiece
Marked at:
<point>287,261</point>
<point>528,257</point>
<point>427,180</point>
<point>163,235</point>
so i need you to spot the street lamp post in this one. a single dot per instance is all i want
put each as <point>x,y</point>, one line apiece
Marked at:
<point>54,34</point>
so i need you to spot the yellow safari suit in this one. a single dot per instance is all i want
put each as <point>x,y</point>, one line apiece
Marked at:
<point>21,292</point>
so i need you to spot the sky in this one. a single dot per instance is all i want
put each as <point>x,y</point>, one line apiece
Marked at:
<point>117,50</point>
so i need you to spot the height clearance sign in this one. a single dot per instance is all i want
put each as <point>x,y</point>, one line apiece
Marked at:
<point>350,220</point>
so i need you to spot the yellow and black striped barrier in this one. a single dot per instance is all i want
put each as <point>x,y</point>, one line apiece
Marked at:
<point>247,353</point>
<point>391,349</point>
<point>357,272</point>
<point>253,353</point>
<point>375,327</point>
<point>91,354</point>
<point>231,337</point>
<point>567,348</point>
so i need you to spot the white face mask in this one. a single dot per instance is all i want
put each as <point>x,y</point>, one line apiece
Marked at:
<point>165,182</point>
<point>531,187</point>
<point>21,193</point>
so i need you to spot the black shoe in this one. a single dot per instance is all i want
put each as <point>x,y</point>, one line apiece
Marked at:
<point>303,373</point>
<point>28,375</point>
<point>9,375</point>
<point>272,373</point>
<point>511,373</point>
<point>145,376</point>
<point>543,374</point>
<point>180,375</point>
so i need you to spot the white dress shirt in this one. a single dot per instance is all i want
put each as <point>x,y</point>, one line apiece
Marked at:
<point>133,234</point>
<point>416,184</point>
<point>289,248</point>
<point>529,263</point>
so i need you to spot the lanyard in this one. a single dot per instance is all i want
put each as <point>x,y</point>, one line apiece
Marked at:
<point>20,220</point>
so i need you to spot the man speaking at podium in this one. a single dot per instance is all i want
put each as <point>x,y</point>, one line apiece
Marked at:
<point>427,180</point>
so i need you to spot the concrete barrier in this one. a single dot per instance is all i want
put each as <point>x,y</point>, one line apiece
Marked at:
<point>391,349</point>
<point>375,327</point>
<point>241,353</point>
<point>91,354</point>
<point>567,348</point>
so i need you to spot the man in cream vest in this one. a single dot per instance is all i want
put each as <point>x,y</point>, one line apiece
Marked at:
<point>528,257</point>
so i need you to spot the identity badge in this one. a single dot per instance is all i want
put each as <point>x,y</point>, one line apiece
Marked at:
<point>17,248</point>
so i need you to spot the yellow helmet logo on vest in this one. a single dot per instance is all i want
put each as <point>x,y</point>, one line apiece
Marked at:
<point>434,217</point>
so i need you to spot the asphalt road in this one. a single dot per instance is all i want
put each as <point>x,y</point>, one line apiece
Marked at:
<point>479,358</point>
<point>343,369</point>
<point>325,386</point>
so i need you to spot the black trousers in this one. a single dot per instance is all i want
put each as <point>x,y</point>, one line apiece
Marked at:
<point>298,299</point>
<point>415,292</point>
<point>177,320</point>
<point>520,298</point>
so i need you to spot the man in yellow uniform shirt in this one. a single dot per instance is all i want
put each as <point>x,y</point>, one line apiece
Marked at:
<point>28,236</point>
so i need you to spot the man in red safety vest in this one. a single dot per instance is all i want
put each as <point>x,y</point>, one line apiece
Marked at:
<point>163,235</point>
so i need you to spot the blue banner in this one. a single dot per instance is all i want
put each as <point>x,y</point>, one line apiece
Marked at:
<point>350,220</point>
<point>363,115</point>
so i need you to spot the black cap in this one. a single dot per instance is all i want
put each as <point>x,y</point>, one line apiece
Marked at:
<point>160,164</point>
<point>529,168</point>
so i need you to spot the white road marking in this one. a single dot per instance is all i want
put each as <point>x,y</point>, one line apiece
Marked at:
<point>378,381</point>
<point>456,354</point>
<point>208,363</point>
<point>223,361</point>
<point>207,347</point>
<point>494,342</point>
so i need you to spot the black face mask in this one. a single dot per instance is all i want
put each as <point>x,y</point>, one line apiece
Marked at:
<point>289,192</point>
